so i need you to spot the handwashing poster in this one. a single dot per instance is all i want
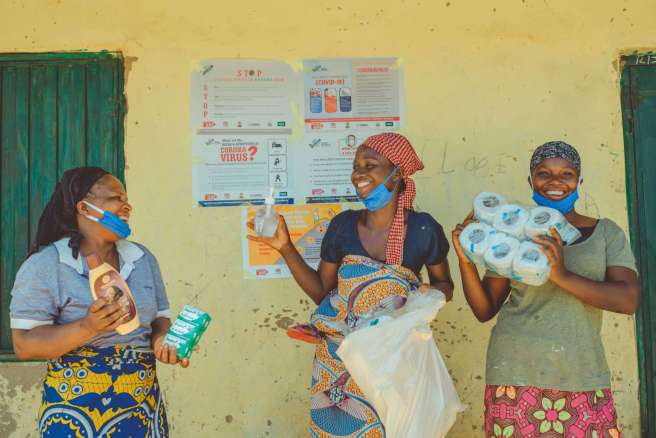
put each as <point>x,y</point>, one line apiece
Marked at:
<point>307,226</point>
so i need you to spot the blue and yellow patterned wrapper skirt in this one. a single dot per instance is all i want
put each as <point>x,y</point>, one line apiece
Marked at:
<point>339,407</point>
<point>103,392</point>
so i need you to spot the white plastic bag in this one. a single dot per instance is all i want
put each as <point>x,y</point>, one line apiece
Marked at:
<point>395,361</point>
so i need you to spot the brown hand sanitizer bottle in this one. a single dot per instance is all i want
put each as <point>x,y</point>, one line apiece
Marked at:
<point>106,283</point>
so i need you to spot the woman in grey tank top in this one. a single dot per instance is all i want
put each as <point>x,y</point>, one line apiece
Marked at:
<point>546,372</point>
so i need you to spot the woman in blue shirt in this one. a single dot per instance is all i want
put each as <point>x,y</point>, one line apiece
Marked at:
<point>98,383</point>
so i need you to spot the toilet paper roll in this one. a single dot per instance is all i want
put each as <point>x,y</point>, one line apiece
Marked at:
<point>486,205</point>
<point>530,265</point>
<point>500,254</point>
<point>510,219</point>
<point>542,218</point>
<point>475,241</point>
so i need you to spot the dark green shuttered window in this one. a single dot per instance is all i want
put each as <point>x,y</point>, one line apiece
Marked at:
<point>639,116</point>
<point>57,111</point>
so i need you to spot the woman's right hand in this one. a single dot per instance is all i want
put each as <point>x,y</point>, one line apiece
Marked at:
<point>103,317</point>
<point>455,237</point>
<point>280,238</point>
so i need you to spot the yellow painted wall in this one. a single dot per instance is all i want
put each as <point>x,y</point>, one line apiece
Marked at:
<point>485,82</point>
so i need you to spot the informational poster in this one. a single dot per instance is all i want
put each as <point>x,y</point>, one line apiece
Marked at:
<point>234,170</point>
<point>246,96</point>
<point>261,125</point>
<point>241,125</point>
<point>345,94</point>
<point>307,226</point>
<point>325,164</point>
<point>345,101</point>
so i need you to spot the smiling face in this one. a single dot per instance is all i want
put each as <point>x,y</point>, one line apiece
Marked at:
<point>369,170</point>
<point>107,194</point>
<point>555,178</point>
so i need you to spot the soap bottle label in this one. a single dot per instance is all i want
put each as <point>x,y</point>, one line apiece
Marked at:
<point>108,286</point>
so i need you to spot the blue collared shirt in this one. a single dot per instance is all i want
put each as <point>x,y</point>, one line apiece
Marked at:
<point>52,287</point>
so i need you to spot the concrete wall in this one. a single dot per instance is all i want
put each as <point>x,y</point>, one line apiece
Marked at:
<point>486,81</point>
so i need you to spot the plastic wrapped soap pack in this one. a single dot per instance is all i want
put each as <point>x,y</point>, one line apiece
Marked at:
<point>187,329</point>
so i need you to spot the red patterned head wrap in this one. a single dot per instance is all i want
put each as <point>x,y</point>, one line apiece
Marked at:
<point>400,152</point>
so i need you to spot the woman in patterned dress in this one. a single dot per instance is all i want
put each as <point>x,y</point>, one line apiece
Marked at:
<point>370,259</point>
<point>547,374</point>
<point>98,383</point>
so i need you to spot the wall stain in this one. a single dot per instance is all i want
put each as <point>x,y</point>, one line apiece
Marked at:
<point>19,391</point>
<point>22,377</point>
<point>284,322</point>
<point>7,421</point>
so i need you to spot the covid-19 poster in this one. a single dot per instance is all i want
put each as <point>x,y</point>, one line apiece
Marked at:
<point>290,127</point>
<point>352,94</point>
<point>242,112</point>
<point>345,101</point>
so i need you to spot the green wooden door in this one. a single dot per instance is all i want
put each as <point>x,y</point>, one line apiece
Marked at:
<point>639,114</point>
<point>57,111</point>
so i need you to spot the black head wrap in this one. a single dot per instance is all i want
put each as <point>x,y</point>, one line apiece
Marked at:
<point>556,149</point>
<point>59,218</point>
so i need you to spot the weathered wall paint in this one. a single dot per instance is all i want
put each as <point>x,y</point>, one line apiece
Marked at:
<point>485,83</point>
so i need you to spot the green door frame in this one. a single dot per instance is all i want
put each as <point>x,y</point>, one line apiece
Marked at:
<point>18,149</point>
<point>72,57</point>
<point>635,169</point>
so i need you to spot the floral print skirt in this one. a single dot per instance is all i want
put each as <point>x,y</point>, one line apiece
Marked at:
<point>527,412</point>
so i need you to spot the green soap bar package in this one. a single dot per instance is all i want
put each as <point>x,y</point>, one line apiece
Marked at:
<point>187,329</point>
<point>184,330</point>
<point>195,316</point>
<point>183,346</point>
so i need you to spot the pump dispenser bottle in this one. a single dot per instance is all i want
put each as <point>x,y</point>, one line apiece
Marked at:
<point>106,283</point>
<point>266,219</point>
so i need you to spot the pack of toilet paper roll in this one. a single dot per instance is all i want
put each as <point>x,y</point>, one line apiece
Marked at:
<point>501,240</point>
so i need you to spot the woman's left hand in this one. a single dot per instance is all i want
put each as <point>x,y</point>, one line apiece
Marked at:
<point>552,246</point>
<point>167,353</point>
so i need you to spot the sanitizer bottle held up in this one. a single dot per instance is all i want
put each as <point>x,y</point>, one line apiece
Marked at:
<point>266,219</point>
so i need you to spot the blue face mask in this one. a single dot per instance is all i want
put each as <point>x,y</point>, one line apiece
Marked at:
<point>564,206</point>
<point>110,221</point>
<point>379,196</point>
